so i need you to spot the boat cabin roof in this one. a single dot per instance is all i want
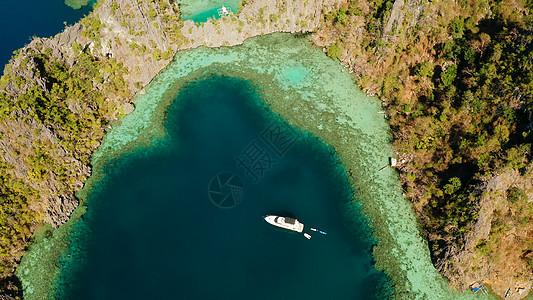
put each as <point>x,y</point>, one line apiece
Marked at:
<point>290,220</point>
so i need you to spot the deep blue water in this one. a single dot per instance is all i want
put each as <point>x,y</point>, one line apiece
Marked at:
<point>20,20</point>
<point>153,232</point>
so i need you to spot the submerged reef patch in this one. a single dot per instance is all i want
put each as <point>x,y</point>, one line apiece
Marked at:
<point>77,4</point>
<point>314,94</point>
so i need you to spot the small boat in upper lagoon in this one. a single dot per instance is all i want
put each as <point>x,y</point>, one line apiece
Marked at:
<point>285,222</point>
<point>224,11</point>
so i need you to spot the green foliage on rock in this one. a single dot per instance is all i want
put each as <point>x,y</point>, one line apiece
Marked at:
<point>152,13</point>
<point>92,27</point>
<point>447,77</point>
<point>426,69</point>
<point>471,121</point>
<point>17,222</point>
<point>75,106</point>
<point>342,16</point>
<point>454,184</point>
<point>457,83</point>
<point>335,51</point>
<point>515,195</point>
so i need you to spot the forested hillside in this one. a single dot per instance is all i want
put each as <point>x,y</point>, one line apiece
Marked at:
<point>456,78</point>
<point>59,95</point>
<point>51,130</point>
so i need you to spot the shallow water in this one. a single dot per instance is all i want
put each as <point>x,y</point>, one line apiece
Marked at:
<point>77,4</point>
<point>201,10</point>
<point>153,223</point>
<point>316,95</point>
<point>20,20</point>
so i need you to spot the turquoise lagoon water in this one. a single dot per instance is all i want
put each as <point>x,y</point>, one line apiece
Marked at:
<point>317,95</point>
<point>200,11</point>
<point>20,20</point>
<point>153,231</point>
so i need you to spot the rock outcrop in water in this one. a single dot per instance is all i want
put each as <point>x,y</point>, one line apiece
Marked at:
<point>59,94</point>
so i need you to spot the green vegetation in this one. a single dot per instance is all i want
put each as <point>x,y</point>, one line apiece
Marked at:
<point>74,86</point>
<point>516,195</point>
<point>152,13</point>
<point>75,107</point>
<point>458,86</point>
<point>157,54</point>
<point>426,69</point>
<point>114,7</point>
<point>474,112</point>
<point>92,27</point>
<point>334,51</point>
<point>340,17</point>
<point>66,112</point>
<point>17,222</point>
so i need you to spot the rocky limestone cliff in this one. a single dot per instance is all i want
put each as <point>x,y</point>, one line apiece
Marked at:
<point>129,33</point>
<point>5,297</point>
<point>384,50</point>
<point>144,42</point>
<point>58,95</point>
<point>499,226</point>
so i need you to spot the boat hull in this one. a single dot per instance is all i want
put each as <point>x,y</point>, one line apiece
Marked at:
<point>285,222</point>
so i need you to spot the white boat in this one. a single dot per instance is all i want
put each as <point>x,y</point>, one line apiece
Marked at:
<point>307,235</point>
<point>224,11</point>
<point>285,222</point>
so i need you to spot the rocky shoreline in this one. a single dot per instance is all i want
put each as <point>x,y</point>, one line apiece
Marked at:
<point>115,40</point>
<point>140,38</point>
